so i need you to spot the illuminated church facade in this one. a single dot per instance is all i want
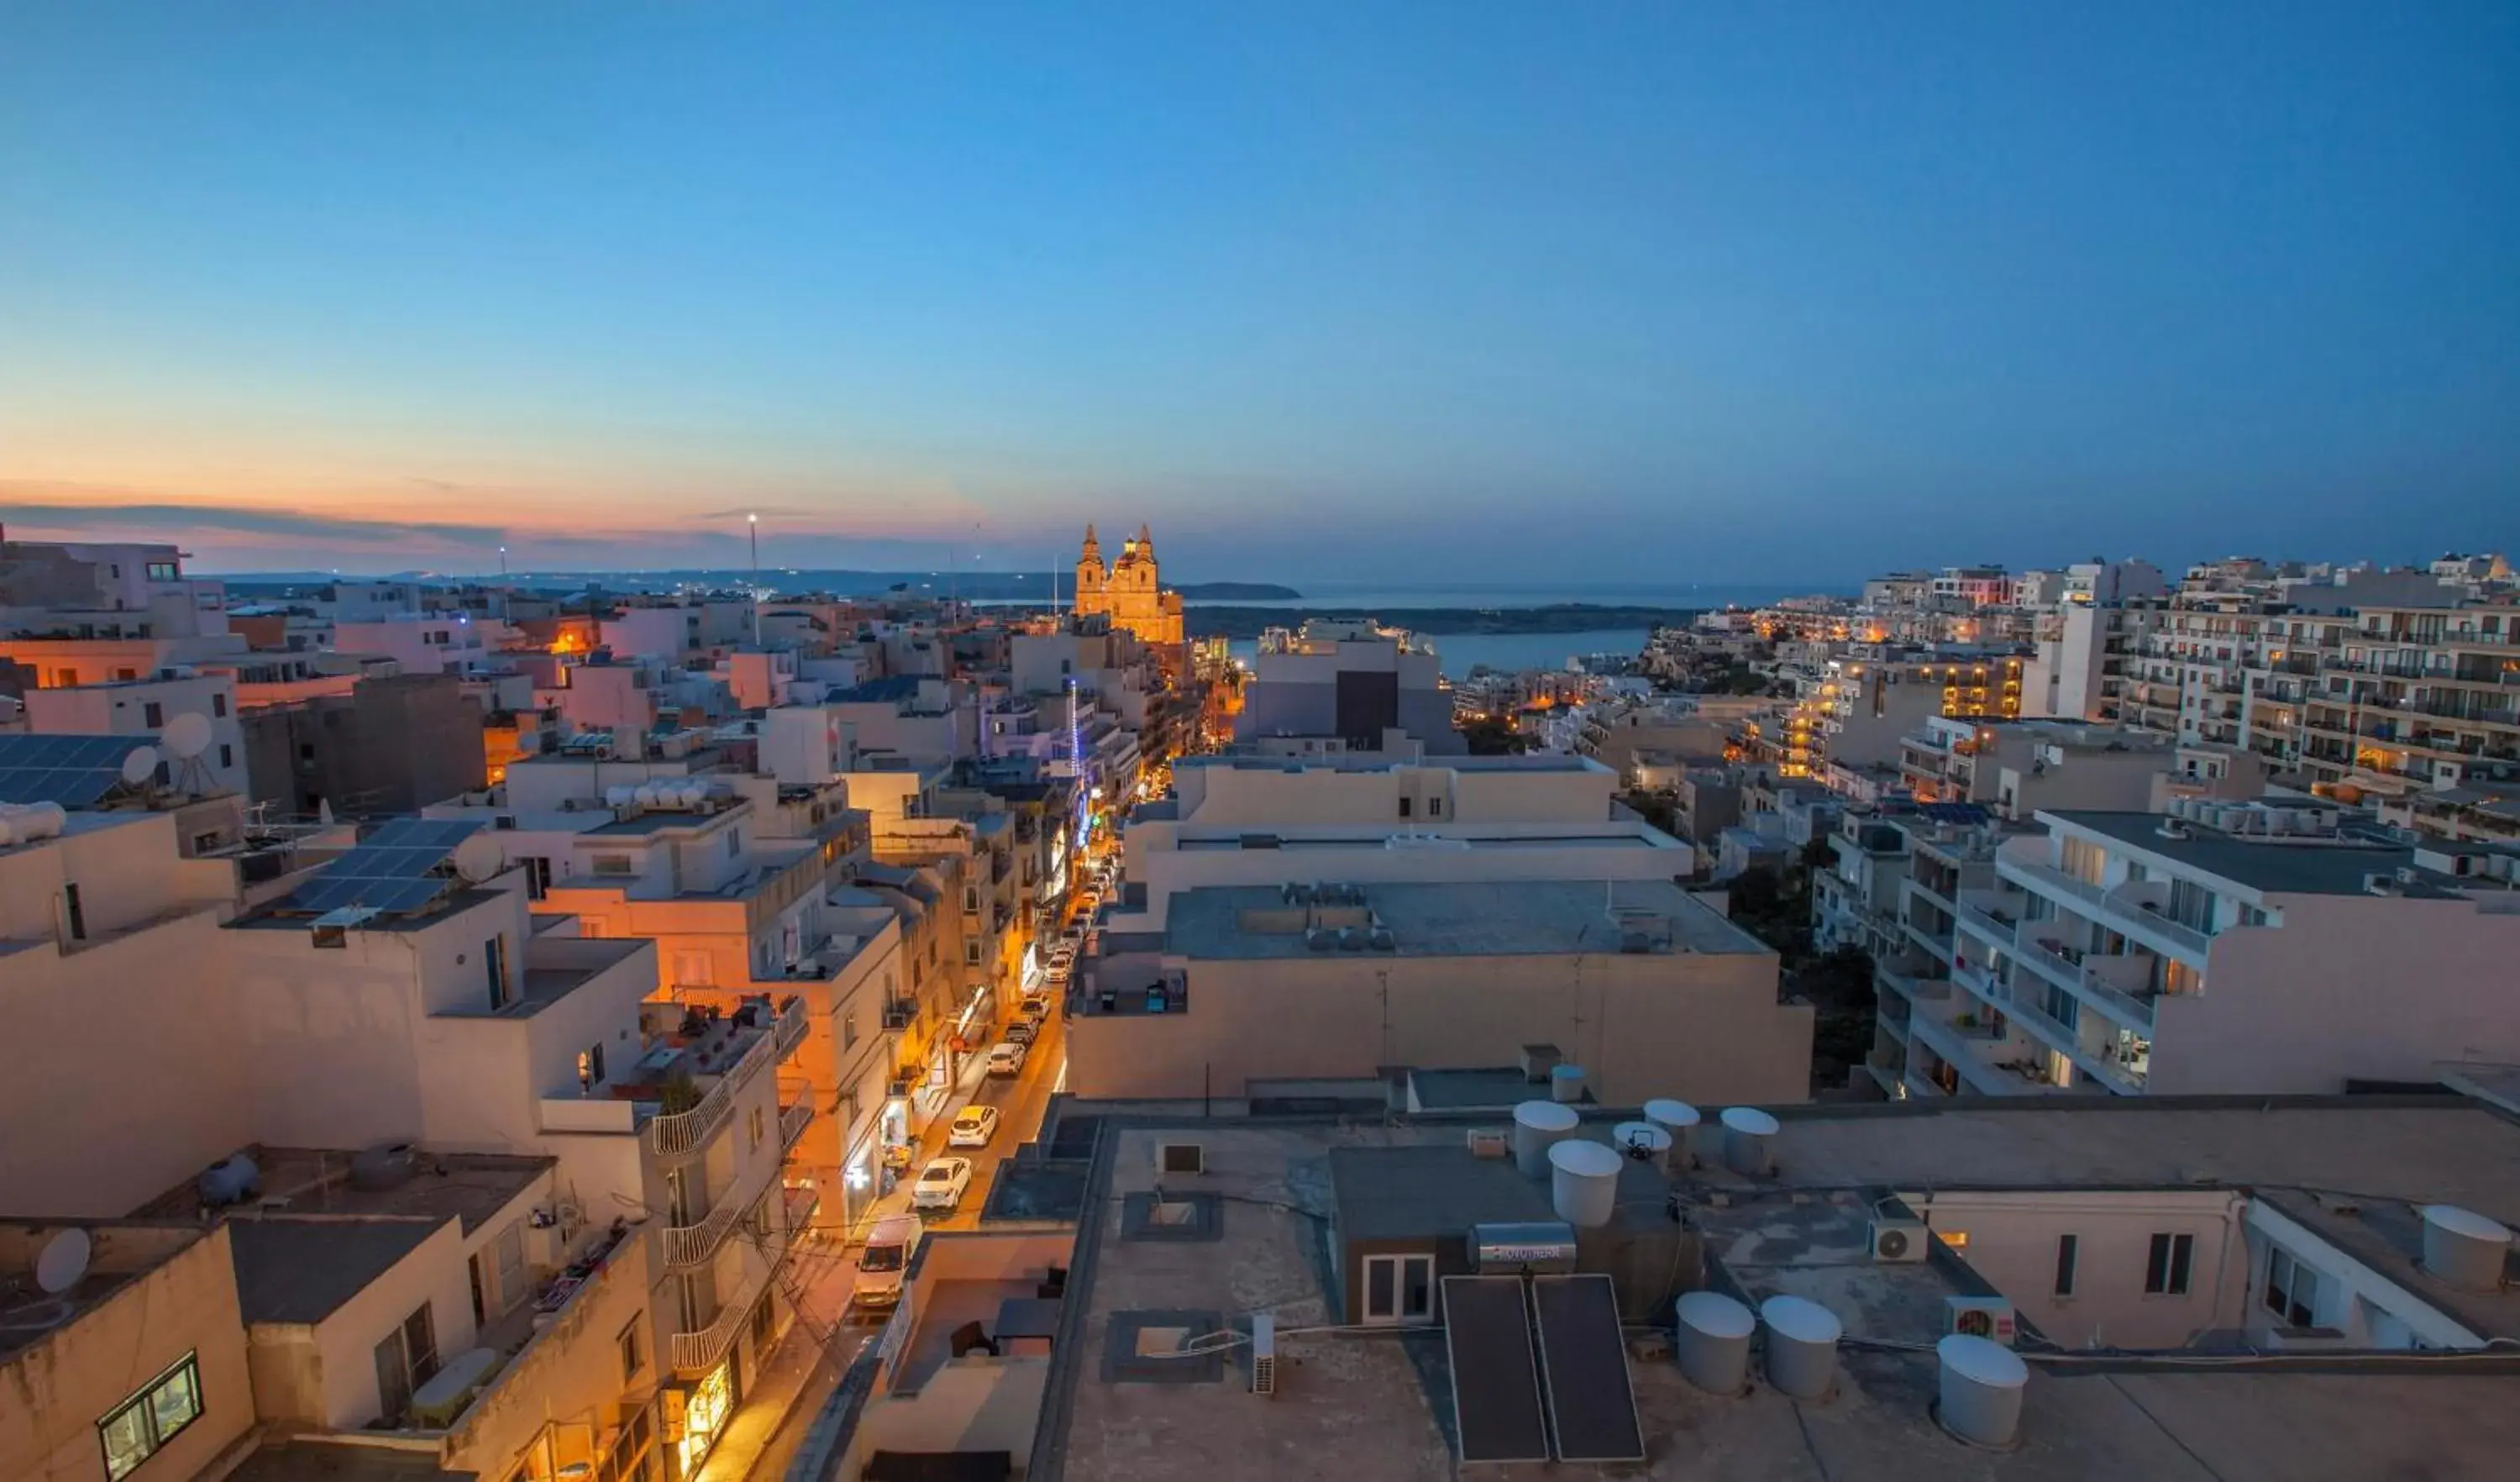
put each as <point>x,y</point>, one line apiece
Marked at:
<point>1127,591</point>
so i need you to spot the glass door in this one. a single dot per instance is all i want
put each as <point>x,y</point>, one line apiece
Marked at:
<point>1400,1288</point>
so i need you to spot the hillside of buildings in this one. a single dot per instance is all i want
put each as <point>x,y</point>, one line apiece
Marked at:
<point>1214,622</point>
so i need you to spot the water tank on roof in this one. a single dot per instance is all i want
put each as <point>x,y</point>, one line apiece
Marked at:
<point>230,1181</point>
<point>1746,1134</point>
<point>1584,1182</point>
<point>387,1165</point>
<point>1537,1127</point>
<point>1679,1119</point>
<point>2465,1248</point>
<point>1566,1084</point>
<point>1978,1389</point>
<point>1713,1341</point>
<point>620,795</point>
<point>1802,1346</point>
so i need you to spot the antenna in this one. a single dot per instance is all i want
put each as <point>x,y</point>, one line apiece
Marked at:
<point>63,1262</point>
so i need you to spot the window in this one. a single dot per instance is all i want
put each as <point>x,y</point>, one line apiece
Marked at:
<point>970,954</point>
<point>305,751</point>
<point>219,707</point>
<point>634,1357</point>
<point>160,570</point>
<point>970,900</point>
<point>1400,1288</point>
<point>1404,807</point>
<point>153,714</point>
<point>752,1127</point>
<point>494,967</point>
<point>151,1419</point>
<point>2292,1289</point>
<point>227,757</point>
<point>734,844</point>
<point>2068,1247</point>
<point>2166,1269</point>
<point>405,1358</point>
<point>1434,807</point>
<point>73,915</point>
<point>849,1029</point>
<point>589,1065</point>
<point>537,876</point>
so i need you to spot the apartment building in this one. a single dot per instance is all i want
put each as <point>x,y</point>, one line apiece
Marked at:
<point>1365,818</point>
<point>2170,1248</point>
<point>2017,767</point>
<point>1368,686</point>
<point>144,707</point>
<point>1250,986</point>
<point>394,744</point>
<point>421,643</point>
<point>2225,947</point>
<point>86,589</point>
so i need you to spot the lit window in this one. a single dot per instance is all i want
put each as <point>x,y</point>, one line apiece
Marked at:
<point>151,1419</point>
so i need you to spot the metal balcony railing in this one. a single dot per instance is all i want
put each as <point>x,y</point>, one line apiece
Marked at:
<point>792,1118</point>
<point>683,1131</point>
<point>695,1354</point>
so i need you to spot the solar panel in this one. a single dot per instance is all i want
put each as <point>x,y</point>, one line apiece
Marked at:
<point>1591,1407</point>
<point>393,869</point>
<point>73,770</point>
<point>1496,1383</point>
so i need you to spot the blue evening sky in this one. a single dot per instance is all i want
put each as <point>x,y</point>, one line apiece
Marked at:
<point>1332,291</point>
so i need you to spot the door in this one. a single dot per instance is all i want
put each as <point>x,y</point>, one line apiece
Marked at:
<point>1400,1288</point>
<point>511,1264</point>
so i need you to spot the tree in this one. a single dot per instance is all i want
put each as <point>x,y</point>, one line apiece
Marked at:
<point>1494,736</point>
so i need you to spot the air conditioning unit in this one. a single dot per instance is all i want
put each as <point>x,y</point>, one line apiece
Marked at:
<point>1899,1240</point>
<point>1180,1158</point>
<point>1989,1318</point>
<point>1264,1354</point>
<point>1488,1143</point>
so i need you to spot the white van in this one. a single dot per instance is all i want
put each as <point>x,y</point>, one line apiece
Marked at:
<point>886,1260</point>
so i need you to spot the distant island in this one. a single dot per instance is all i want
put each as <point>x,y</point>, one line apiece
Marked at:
<point>1038,587</point>
<point>1557,617</point>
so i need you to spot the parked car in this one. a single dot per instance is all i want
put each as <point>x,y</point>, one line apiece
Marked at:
<point>1006,1059</point>
<point>973,1126</point>
<point>942,1185</point>
<point>1035,1007</point>
<point>1058,974</point>
<point>1019,1031</point>
<point>888,1248</point>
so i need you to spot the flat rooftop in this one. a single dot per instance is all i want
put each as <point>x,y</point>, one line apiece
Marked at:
<point>2320,867</point>
<point>1381,1406</point>
<point>472,1186</point>
<point>1460,919</point>
<point>1385,840</point>
<point>120,1252</point>
<point>300,1271</point>
<point>320,1461</point>
<point>1381,761</point>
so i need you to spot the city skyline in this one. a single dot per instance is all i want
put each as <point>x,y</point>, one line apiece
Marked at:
<point>1327,297</point>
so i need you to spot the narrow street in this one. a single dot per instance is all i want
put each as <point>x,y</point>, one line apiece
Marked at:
<point>783,1433</point>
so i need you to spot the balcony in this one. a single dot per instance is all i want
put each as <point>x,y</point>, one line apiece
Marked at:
<point>2117,908</point>
<point>792,1118</point>
<point>685,1132</point>
<point>695,1354</point>
<point>1992,924</point>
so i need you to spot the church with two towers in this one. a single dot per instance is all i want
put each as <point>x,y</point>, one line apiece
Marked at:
<point>1127,591</point>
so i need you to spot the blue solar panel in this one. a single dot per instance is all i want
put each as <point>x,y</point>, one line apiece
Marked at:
<point>73,770</point>
<point>396,868</point>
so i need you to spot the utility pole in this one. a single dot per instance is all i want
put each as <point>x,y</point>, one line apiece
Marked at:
<point>752,522</point>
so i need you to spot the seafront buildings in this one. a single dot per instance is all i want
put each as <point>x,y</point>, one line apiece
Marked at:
<point>474,1032</point>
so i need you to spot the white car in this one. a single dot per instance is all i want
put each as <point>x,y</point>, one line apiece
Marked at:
<point>973,1126</point>
<point>1006,1059</point>
<point>941,1186</point>
<point>1036,1007</point>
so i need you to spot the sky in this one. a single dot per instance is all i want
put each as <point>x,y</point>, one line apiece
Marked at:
<point>1415,292</point>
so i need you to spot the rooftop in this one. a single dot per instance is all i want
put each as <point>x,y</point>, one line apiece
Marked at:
<point>120,1252</point>
<point>300,1271</point>
<point>1458,919</point>
<point>472,1187</point>
<point>314,1461</point>
<point>2303,867</point>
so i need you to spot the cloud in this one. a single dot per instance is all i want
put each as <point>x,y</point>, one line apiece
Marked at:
<point>239,520</point>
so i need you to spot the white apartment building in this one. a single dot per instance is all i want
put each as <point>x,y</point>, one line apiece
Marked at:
<point>1365,818</point>
<point>83,589</point>
<point>143,708</point>
<point>1354,681</point>
<point>2240,948</point>
<point>422,643</point>
<point>2016,768</point>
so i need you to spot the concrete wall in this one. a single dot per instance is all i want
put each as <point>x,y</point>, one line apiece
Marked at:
<point>570,1370</point>
<point>2013,1243</point>
<point>345,1342</point>
<point>1706,1028</point>
<point>54,1391</point>
<point>1167,870</point>
<point>2349,986</point>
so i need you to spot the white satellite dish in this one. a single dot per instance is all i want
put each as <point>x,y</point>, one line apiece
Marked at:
<point>140,766</point>
<point>479,858</point>
<point>187,735</point>
<point>63,1262</point>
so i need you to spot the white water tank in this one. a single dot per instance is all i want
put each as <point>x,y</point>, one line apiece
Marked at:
<point>39,820</point>
<point>647,795</point>
<point>1714,1342</point>
<point>1566,1084</point>
<point>1681,1120</point>
<point>1802,1346</point>
<point>1979,1384</point>
<point>620,795</point>
<point>1746,1133</point>
<point>1536,1126</point>
<point>1645,1142</point>
<point>2465,1248</point>
<point>1584,1182</point>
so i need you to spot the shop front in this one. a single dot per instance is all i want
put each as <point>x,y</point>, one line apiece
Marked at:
<point>705,1408</point>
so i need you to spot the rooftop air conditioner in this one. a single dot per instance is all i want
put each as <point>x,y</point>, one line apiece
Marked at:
<point>1989,1318</point>
<point>1898,1241</point>
<point>1264,1354</point>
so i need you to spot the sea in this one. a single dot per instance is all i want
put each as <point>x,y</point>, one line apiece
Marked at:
<point>1461,653</point>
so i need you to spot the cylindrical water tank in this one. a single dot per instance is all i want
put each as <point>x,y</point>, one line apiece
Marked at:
<point>1746,1131</point>
<point>39,820</point>
<point>646,796</point>
<point>2465,1248</point>
<point>1643,1140</point>
<point>1567,1083</point>
<point>1802,1345</point>
<point>1536,1126</point>
<point>229,1181</point>
<point>620,795</point>
<point>1979,1385</point>
<point>1714,1342</point>
<point>1679,1119</point>
<point>1584,1183</point>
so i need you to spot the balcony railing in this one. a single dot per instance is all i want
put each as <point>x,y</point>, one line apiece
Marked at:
<point>695,1354</point>
<point>695,1245</point>
<point>2116,908</point>
<point>683,1131</point>
<point>1987,921</point>
<point>792,1118</point>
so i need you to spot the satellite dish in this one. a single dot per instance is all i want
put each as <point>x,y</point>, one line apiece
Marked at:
<point>479,858</point>
<point>187,735</point>
<point>140,766</point>
<point>63,1262</point>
